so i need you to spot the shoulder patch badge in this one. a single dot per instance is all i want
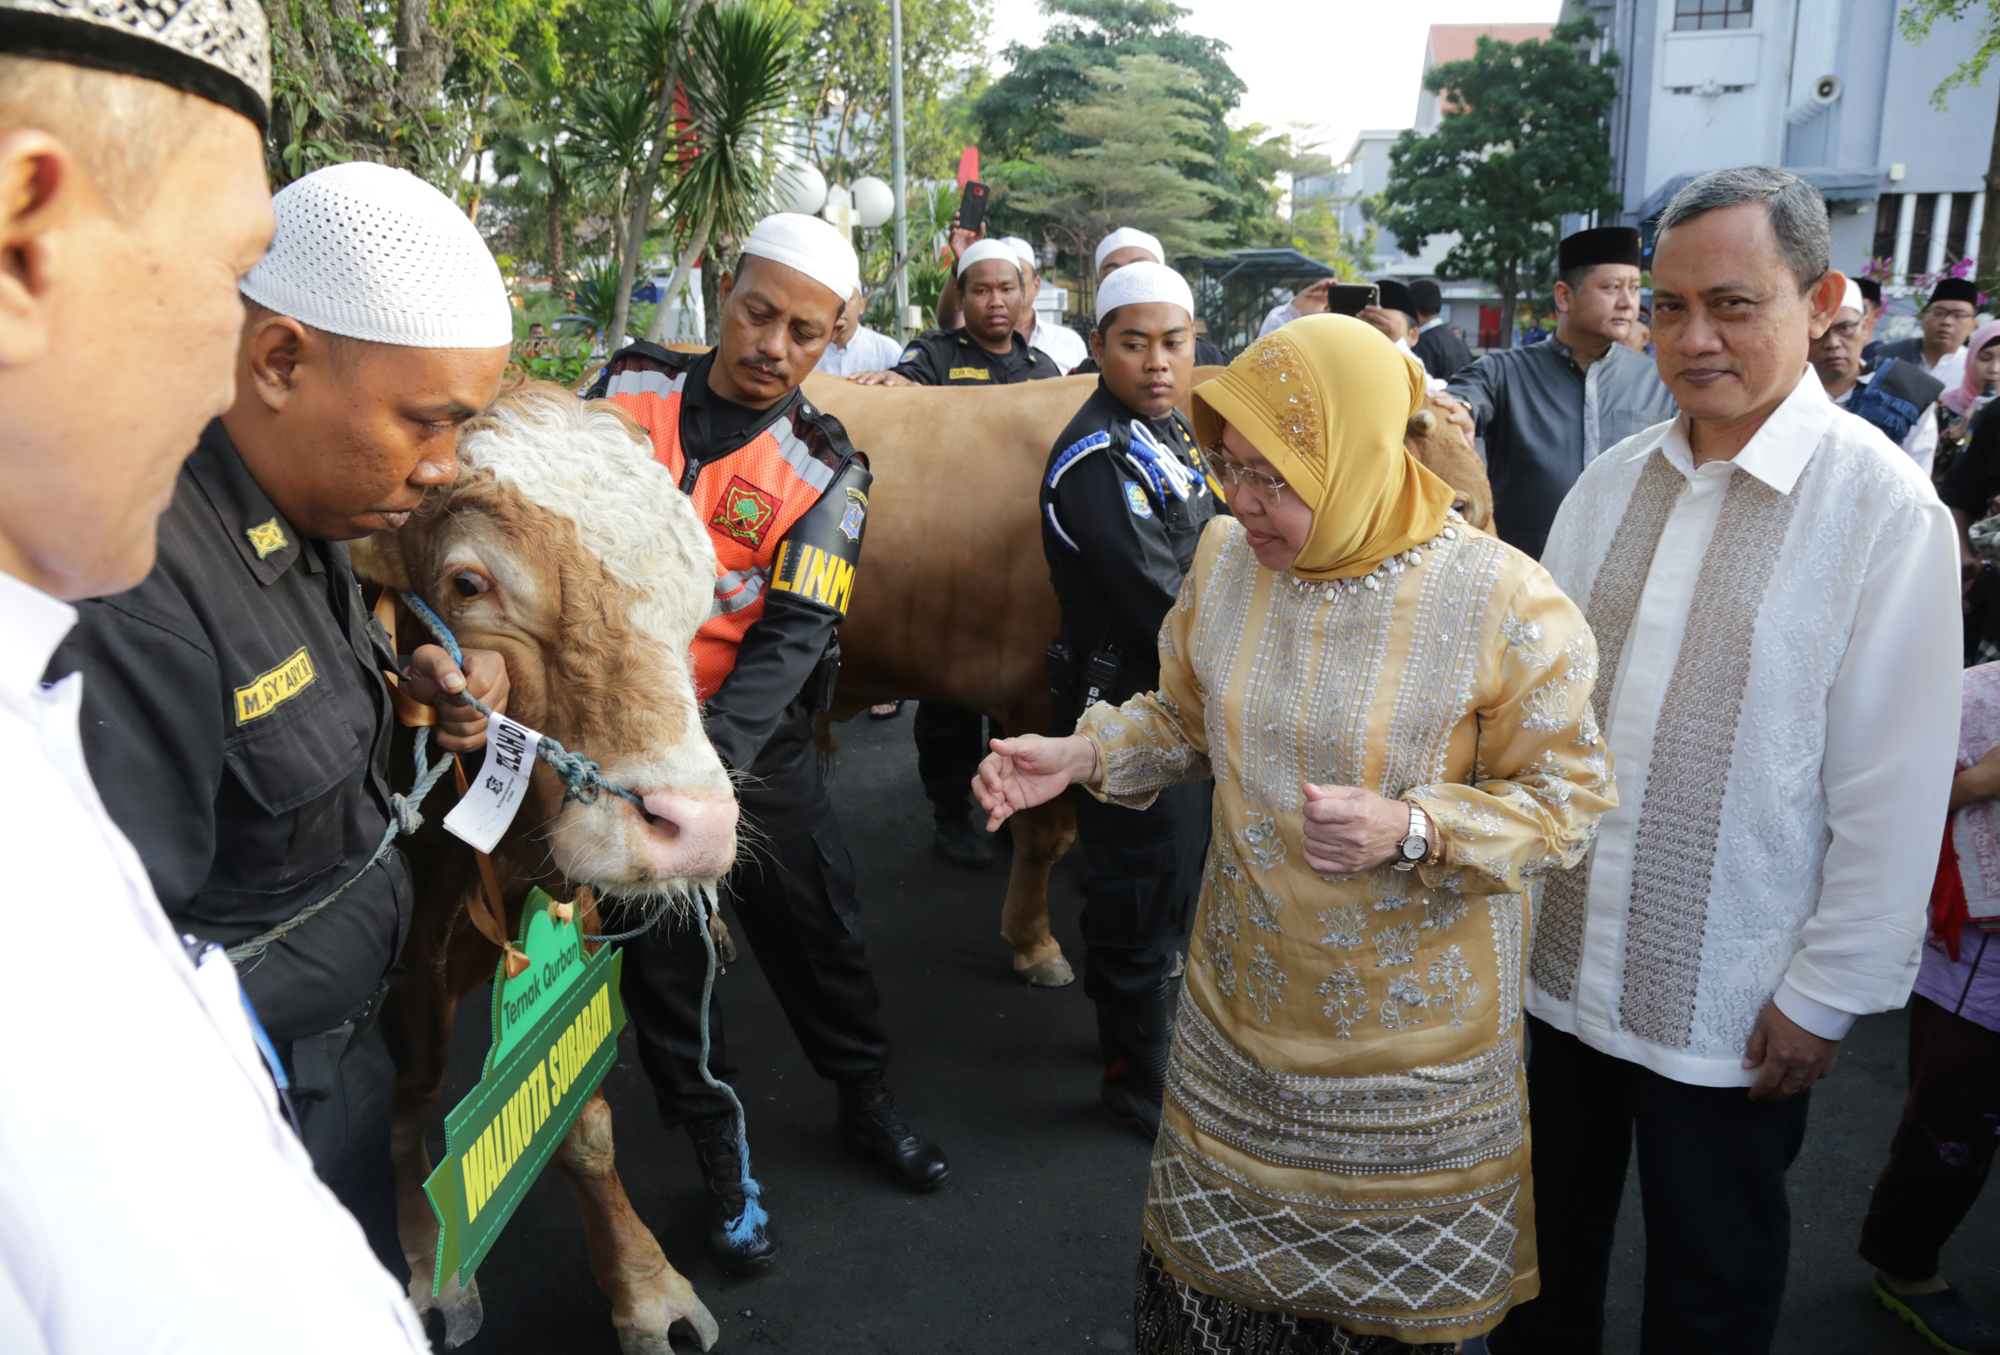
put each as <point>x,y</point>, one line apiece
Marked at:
<point>1135,499</point>
<point>970,374</point>
<point>266,538</point>
<point>852,517</point>
<point>267,691</point>
<point>745,512</point>
<point>909,354</point>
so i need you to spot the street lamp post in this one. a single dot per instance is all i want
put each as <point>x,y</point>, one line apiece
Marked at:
<point>897,183</point>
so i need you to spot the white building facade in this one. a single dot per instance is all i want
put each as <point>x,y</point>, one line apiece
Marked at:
<point>1828,89</point>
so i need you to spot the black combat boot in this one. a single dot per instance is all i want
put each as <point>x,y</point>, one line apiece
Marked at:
<point>1133,1037</point>
<point>870,1121</point>
<point>962,842</point>
<point>750,1248</point>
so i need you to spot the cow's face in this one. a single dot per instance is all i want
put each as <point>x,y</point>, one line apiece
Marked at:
<point>564,546</point>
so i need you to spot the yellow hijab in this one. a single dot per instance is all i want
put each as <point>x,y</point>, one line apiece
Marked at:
<point>1326,399</point>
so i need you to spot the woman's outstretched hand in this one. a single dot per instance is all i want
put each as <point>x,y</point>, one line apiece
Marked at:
<point>1030,770</point>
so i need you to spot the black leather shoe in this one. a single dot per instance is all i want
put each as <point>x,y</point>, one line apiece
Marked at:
<point>1134,1037</point>
<point>742,1248</point>
<point>960,842</point>
<point>870,1121</point>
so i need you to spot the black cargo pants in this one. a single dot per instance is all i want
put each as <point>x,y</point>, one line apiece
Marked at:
<point>1142,871</point>
<point>796,906</point>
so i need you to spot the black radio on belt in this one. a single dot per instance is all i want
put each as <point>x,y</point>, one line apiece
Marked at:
<point>1073,686</point>
<point>824,680</point>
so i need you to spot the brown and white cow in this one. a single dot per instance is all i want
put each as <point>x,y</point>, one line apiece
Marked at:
<point>563,545</point>
<point>952,600</point>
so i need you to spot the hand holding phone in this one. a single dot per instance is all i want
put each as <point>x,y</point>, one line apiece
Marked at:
<point>972,208</point>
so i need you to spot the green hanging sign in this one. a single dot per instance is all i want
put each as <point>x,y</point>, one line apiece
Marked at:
<point>555,1035</point>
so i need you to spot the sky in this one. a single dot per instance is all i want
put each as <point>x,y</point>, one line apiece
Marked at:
<point>1339,64</point>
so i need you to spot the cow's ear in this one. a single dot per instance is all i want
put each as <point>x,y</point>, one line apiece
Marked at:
<point>379,559</point>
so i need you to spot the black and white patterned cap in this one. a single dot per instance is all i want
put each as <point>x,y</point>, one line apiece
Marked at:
<point>218,49</point>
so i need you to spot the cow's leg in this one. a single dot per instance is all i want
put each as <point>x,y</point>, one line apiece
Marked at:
<point>1041,836</point>
<point>422,1020</point>
<point>648,1296</point>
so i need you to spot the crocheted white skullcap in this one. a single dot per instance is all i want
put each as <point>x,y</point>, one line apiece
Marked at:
<point>1138,283</point>
<point>812,246</point>
<point>1125,237</point>
<point>376,253</point>
<point>1023,251</point>
<point>982,250</point>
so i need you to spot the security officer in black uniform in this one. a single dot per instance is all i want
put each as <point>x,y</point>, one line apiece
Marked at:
<point>985,351</point>
<point>235,717</point>
<point>1124,502</point>
<point>765,662</point>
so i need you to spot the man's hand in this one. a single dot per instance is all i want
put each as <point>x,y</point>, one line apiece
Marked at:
<point>1023,772</point>
<point>1456,413</point>
<point>434,679</point>
<point>962,240</point>
<point>1312,301</point>
<point>880,379</point>
<point>1792,1058</point>
<point>1349,830</point>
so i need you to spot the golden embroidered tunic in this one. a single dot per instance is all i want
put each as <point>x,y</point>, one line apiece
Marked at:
<point>1345,1130</point>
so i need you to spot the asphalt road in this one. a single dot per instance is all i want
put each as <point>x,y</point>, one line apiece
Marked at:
<point>1032,1244</point>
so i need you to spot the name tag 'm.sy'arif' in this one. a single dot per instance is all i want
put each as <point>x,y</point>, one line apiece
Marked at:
<point>266,692</point>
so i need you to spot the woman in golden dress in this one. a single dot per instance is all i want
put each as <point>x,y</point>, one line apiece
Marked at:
<point>1396,711</point>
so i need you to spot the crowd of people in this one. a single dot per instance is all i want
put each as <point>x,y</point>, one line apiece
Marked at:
<point>1429,871</point>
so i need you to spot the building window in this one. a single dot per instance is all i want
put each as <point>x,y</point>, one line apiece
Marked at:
<point>1690,15</point>
<point>1923,222</point>
<point>1954,236</point>
<point>1888,214</point>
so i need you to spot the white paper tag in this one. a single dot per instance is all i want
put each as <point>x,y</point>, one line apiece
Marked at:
<point>490,803</point>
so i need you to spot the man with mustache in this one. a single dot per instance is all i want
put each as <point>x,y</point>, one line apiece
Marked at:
<point>785,497</point>
<point>1774,590</point>
<point>235,717</point>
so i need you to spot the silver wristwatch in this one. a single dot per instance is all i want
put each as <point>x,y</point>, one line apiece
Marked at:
<point>1417,845</point>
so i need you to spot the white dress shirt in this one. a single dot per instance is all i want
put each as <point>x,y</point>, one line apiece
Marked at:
<point>869,350</point>
<point>151,1196</point>
<point>1950,368</point>
<point>1783,723</point>
<point>1063,344</point>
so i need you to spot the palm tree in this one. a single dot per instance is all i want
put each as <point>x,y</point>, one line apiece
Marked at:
<point>739,76</point>
<point>532,150</point>
<point>655,36</point>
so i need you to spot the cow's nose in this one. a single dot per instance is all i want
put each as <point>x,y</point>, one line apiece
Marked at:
<point>689,838</point>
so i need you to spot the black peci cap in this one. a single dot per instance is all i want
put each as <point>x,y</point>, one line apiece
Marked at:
<point>1871,290</point>
<point>1954,289</point>
<point>1600,244</point>
<point>1429,297</point>
<point>1396,296</point>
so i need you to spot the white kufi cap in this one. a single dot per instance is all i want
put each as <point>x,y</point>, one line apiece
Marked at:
<point>1138,283</point>
<point>1853,300</point>
<point>376,253</point>
<point>983,250</point>
<point>1125,237</point>
<point>810,245</point>
<point>1022,249</point>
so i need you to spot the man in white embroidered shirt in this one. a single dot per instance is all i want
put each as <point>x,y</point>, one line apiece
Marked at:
<point>1773,586</point>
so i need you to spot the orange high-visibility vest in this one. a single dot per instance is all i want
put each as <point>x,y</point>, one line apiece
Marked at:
<point>749,499</point>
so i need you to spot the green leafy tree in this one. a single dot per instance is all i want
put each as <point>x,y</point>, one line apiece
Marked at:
<point>1916,21</point>
<point>847,53</point>
<point>1021,115</point>
<point>740,77</point>
<point>1522,143</point>
<point>403,82</point>
<point>1136,136</point>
